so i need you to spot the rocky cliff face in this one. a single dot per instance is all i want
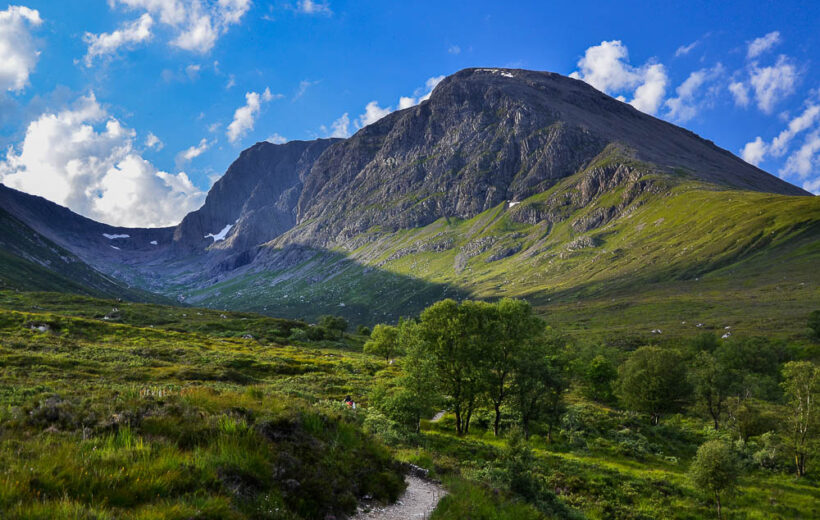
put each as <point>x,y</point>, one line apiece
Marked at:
<point>491,135</point>
<point>255,200</point>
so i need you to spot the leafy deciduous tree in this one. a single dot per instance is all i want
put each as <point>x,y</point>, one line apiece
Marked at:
<point>802,386</point>
<point>715,470</point>
<point>653,380</point>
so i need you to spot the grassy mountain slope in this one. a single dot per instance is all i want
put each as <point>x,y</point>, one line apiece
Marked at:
<point>678,252</point>
<point>31,262</point>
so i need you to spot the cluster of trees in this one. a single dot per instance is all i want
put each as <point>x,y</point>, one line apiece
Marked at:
<point>502,358</point>
<point>474,354</point>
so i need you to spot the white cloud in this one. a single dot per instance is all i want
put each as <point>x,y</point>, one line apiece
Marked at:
<point>277,139</point>
<point>754,151</point>
<point>152,141</point>
<point>649,95</point>
<point>812,185</point>
<point>339,128</point>
<point>760,45</point>
<point>85,159</point>
<point>192,71</point>
<point>454,49</point>
<point>804,121</point>
<point>304,85</point>
<point>244,117</point>
<point>372,113</point>
<point>313,7</point>
<point>772,84</point>
<point>683,50</point>
<point>688,101</point>
<point>17,53</point>
<point>804,160</point>
<point>606,67</point>
<point>740,92</point>
<point>107,44</point>
<point>196,25</point>
<point>231,82</point>
<point>194,151</point>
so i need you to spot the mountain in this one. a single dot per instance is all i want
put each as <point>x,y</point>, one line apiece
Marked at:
<point>504,183</point>
<point>31,262</point>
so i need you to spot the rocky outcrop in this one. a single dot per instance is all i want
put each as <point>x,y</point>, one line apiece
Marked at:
<point>256,197</point>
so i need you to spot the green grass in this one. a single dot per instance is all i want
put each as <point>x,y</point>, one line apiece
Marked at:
<point>693,253</point>
<point>170,412</point>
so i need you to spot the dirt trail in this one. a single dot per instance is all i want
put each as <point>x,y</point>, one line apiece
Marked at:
<point>417,502</point>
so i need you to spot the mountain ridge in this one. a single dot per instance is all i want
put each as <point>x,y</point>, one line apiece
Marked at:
<point>546,167</point>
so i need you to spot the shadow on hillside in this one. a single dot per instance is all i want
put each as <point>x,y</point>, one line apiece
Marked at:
<point>305,282</point>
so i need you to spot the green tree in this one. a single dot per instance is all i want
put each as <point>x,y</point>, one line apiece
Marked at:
<point>814,323</point>
<point>457,337</point>
<point>653,380</point>
<point>384,342</point>
<point>715,470</point>
<point>419,379</point>
<point>539,384</point>
<point>516,328</point>
<point>598,376</point>
<point>712,385</point>
<point>363,330</point>
<point>335,325</point>
<point>801,383</point>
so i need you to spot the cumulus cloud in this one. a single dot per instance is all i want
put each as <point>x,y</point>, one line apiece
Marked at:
<point>195,24</point>
<point>152,141</point>
<point>313,7</point>
<point>194,151</point>
<point>800,162</point>
<point>773,83</point>
<point>805,159</point>
<point>277,139</point>
<point>338,128</point>
<point>372,113</point>
<point>245,116</point>
<point>18,55</point>
<point>740,93</point>
<point>808,118</point>
<point>689,100</point>
<point>813,186</point>
<point>607,68</point>
<point>760,45</point>
<point>754,151</point>
<point>85,159</point>
<point>107,44</point>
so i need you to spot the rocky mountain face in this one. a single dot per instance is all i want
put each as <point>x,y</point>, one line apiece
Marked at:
<point>255,200</point>
<point>562,162</point>
<point>493,135</point>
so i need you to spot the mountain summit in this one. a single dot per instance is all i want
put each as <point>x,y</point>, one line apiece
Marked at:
<point>503,182</point>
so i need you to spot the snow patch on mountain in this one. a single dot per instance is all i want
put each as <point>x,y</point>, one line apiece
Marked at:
<point>221,235</point>
<point>112,237</point>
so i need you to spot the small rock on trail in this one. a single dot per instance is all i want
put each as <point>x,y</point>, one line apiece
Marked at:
<point>417,502</point>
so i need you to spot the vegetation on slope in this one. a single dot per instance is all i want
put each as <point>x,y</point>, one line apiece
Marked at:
<point>165,412</point>
<point>121,418</point>
<point>695,254</point>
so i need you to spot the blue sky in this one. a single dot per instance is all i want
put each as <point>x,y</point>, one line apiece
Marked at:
<point>127,110</point>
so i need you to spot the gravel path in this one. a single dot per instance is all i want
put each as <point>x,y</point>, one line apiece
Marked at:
<point>417,502</point>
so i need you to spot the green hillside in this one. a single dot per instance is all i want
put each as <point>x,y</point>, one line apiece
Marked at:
<point>680,252</point>
<point>152,412</point>
<point>31,262</point>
